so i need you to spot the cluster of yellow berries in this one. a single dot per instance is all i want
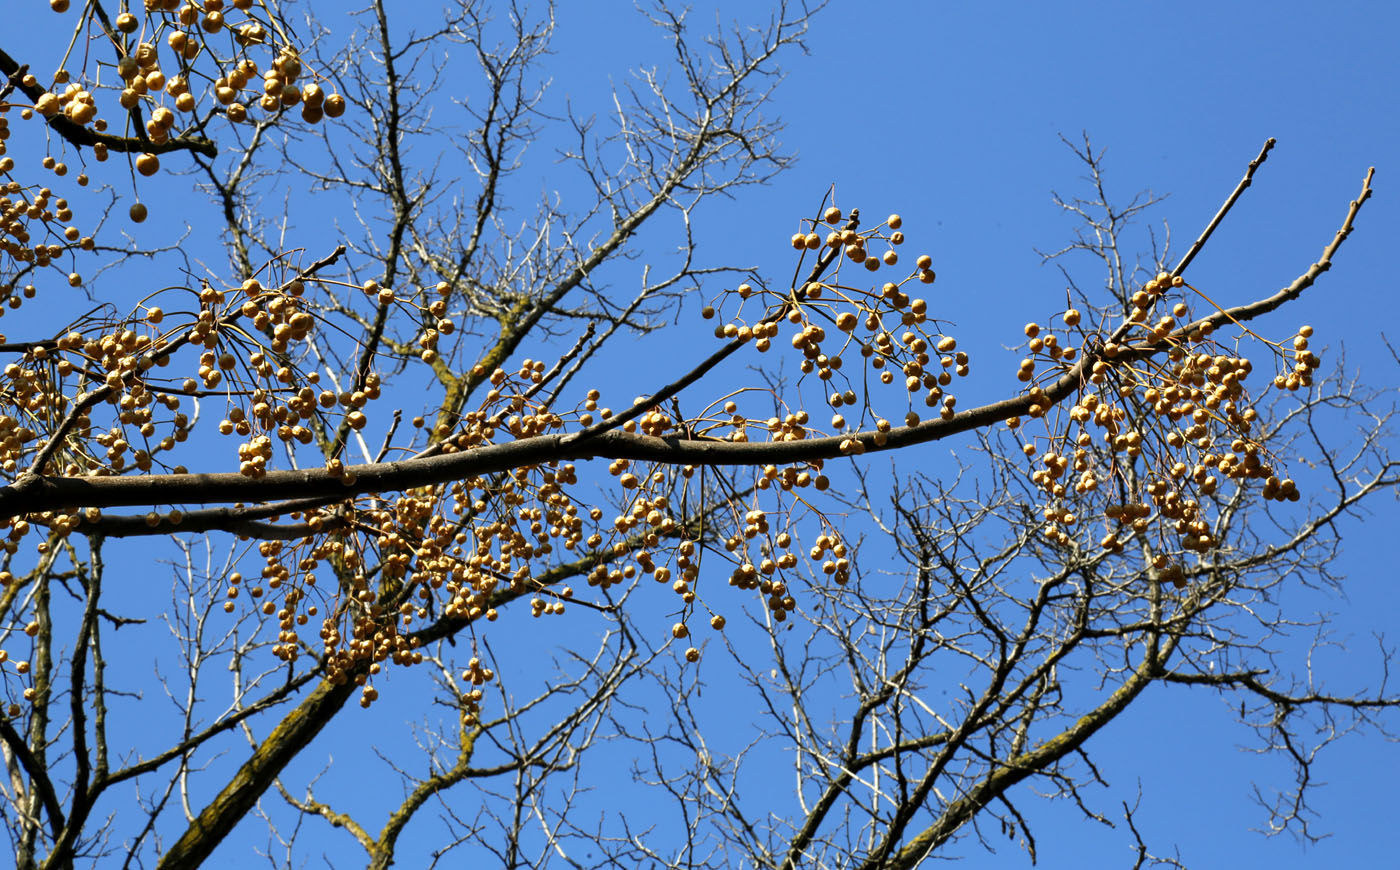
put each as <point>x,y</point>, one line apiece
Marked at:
<point>25,214</point>
<point>188,29</point>
<point>1164,416</point>
<point>465,548</point>
<point>35,225</point>
<point>889,329</point>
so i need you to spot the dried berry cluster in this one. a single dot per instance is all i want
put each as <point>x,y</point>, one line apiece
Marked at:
<point>222,58</point>
<point>891,331</point>
<point>35,233</point>
<point>1162,420</point>
<point>105,389</point>
<point>760,551</point>
<point>463,548</point>
<point>212,45</point>
<point>36,225</point>
<point>1161,414</point>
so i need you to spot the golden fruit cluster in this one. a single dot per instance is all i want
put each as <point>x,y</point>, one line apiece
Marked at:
<point>892,332</point>
<point>212,62</point>
<point>1164,417</point>
<point>220,58</point>
<point>35,233</point>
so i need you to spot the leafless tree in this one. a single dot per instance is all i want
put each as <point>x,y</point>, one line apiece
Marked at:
<point>1124,520</point>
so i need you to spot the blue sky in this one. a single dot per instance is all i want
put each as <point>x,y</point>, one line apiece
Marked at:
<point>951,115</point>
